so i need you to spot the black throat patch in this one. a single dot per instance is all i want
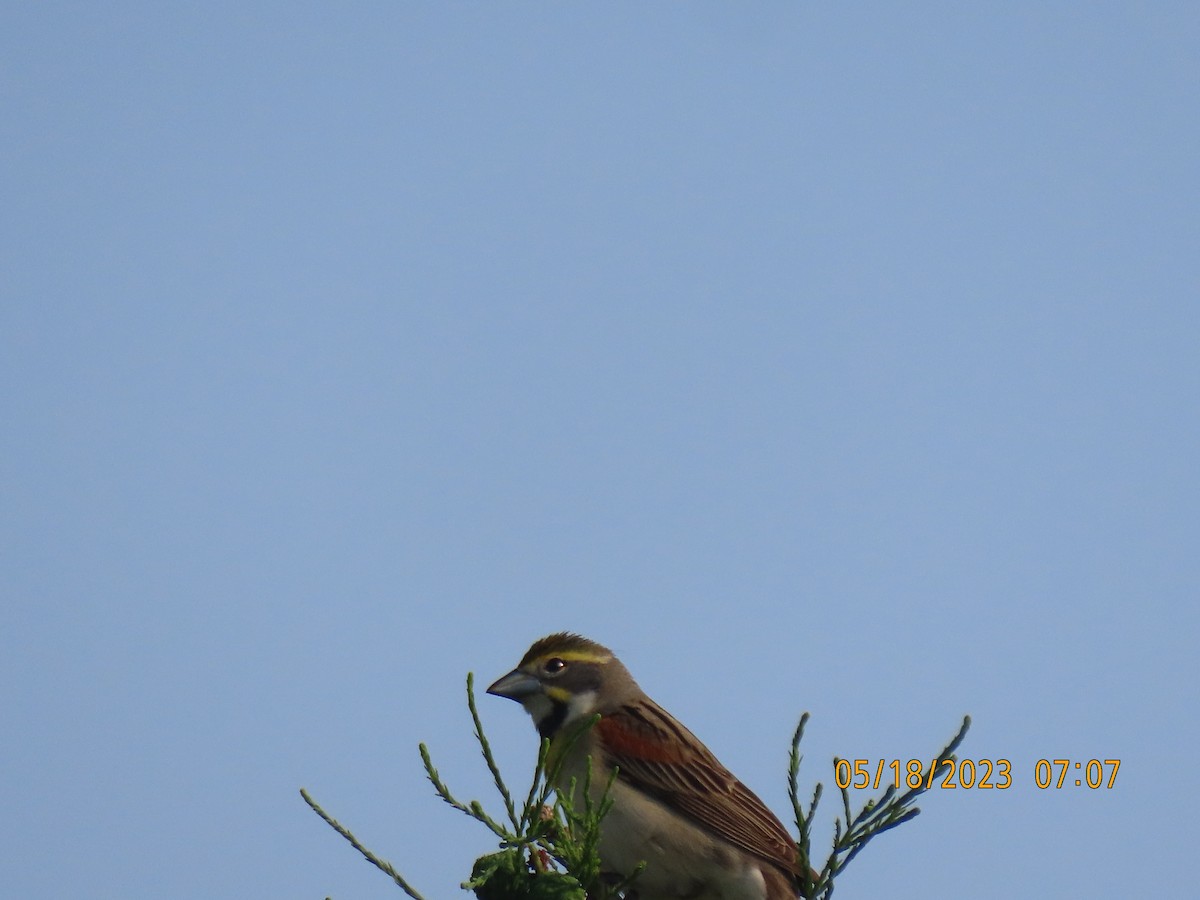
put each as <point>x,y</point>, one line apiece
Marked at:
<point>550,723</point>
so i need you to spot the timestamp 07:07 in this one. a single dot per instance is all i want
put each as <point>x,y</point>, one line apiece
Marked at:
<point>1090,773</point>
<point>978,774</point>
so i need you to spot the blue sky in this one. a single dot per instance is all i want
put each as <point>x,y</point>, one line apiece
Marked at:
<point>812,357</point>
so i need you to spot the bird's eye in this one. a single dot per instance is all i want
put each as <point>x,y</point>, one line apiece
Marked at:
<point>554,666</point>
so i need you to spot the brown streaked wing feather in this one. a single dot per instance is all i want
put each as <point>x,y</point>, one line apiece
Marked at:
<point>663,758</point>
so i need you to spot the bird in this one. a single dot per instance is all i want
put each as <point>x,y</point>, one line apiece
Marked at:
<point>702,834</point>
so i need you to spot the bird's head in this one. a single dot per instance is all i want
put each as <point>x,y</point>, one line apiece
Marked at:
<point>562,679</point>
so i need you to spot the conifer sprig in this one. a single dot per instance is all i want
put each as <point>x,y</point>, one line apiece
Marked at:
<point>852,831</point>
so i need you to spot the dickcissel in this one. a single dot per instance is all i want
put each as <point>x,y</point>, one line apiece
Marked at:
<point>702,833</point>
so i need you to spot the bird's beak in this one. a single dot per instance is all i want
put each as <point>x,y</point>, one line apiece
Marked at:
<point>516,685</point>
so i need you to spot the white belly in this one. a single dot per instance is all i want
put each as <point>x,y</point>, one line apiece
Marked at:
<point>683,861</point>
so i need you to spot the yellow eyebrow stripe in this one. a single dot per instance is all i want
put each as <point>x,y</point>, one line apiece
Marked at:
<point>579,656</point>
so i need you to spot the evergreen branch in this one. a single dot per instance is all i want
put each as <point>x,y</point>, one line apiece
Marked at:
<point>886,812</point>
<point>803,820</point>
<point>946,755</point>
<point>487,753</point>
<point>852,831</point>
<point>794,760</point>
<point>374,860</point>
<point>812,809</point>
<point>576,843</point>
<point>474,810</point>
<point>539,788</point>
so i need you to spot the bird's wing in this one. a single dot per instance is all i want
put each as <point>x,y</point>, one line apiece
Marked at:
<point>657,754</point>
